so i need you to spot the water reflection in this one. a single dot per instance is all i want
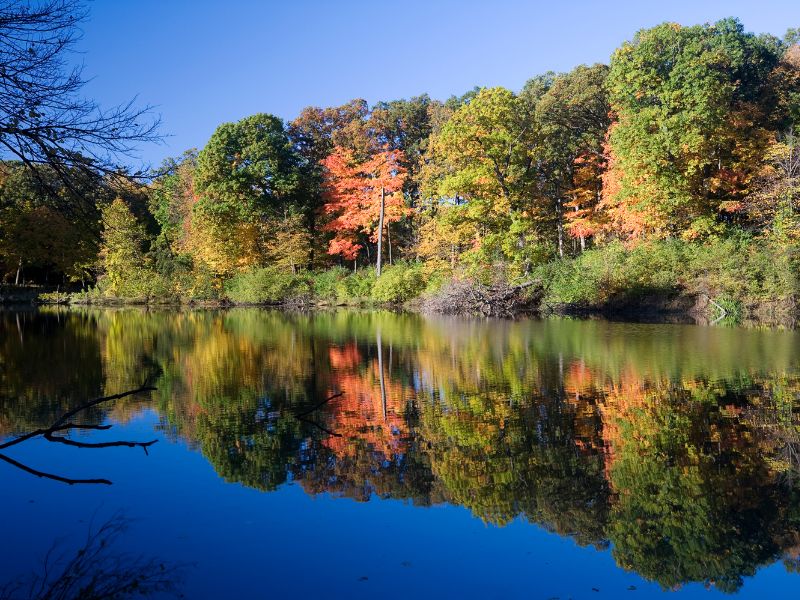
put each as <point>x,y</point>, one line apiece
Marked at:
<point>675,446</point>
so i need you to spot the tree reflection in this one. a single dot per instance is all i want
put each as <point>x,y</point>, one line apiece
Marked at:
<point>676,446</point>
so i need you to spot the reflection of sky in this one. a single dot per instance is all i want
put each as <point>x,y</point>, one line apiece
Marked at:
<point>247,543</point>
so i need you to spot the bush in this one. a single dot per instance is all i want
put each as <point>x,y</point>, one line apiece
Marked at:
<point>399,283</point>
<point>266,285</point>
<point>324,284</point>
<point>744,270</point>
<point>356,287</point>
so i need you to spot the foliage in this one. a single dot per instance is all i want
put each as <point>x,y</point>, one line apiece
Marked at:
<point>671,172</point>
<point>357,192</point>
<point>694,112</point>
<point>399,282</point>
<point>736,270</point>
<point>54,238</point>
<point>265,285</point>
<point>122,253</point>
<point>356,286</point>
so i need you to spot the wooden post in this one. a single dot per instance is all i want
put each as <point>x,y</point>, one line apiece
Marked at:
<point>380,231</point>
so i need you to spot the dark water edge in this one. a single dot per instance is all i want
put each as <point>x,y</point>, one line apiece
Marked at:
<point>662,306</point>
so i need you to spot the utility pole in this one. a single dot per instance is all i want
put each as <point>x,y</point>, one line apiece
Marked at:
<point>380,231</point>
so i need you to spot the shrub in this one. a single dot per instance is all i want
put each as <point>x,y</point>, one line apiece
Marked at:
<point>357,286</point>
<point>399,283</point>
<point>744,270</point>
<point>266,285</point>
<point>325,284</point>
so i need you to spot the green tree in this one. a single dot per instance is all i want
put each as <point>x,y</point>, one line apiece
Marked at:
<point>481,159</point>
<point>247,169</point>
<point>247,174</point>
<point>693,112</point>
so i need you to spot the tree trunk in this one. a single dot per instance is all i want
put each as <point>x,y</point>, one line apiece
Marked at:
<point>560,227</point>
<point>19,271</point>
<point>312,229</point>
<point>380,232</point>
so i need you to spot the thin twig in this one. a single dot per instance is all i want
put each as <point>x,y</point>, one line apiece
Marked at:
<point>318,405</point>
<point>320,427</point>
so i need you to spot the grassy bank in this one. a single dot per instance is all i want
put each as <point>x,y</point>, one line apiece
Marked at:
<point>735,278</point>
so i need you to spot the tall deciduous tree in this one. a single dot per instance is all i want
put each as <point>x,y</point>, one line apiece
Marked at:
<point>694,113</point>
<point>248,174</point>
<point>363,196</point>
<point>481,157</point>
<point>572,116</point>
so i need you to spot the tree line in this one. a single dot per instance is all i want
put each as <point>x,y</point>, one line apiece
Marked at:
<point>687,137</point>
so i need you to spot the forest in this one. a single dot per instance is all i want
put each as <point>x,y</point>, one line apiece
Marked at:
<point>672,172</point>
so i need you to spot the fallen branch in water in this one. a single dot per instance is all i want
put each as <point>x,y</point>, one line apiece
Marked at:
<point>320,427</point>
<point>63,425</point>
<point>52,476</point>
<point>318,405</point>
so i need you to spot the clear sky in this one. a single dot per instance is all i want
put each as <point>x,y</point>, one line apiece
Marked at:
<point>204,62</point>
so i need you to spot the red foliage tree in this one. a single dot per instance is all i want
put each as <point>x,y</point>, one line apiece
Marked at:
<point>355,192</point>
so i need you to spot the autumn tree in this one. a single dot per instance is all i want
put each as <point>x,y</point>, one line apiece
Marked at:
<point>247,176</point>
<point>122,252</point>
<point>48,231</point>
<point>313,134</point>
<point>363,198</point>
<point>773,205</point>
<point>572,117</point>
<point>694,113</point>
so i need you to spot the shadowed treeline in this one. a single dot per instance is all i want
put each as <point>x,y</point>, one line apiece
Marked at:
<point>677,446</point>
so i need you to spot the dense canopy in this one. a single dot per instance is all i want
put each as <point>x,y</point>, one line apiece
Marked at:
<point>674,168</point>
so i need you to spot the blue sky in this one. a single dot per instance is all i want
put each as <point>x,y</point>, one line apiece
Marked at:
<point>204,62</point>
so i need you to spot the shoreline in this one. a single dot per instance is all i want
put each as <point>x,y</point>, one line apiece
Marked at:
<point>677,308</point>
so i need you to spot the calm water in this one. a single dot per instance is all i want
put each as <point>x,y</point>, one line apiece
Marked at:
<point>463,459</point>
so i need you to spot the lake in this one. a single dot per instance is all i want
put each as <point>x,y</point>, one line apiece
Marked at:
<point>363,454</point>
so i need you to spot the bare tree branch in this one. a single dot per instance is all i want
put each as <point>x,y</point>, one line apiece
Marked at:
<point>63,424</point>
<point>44,475</point>
<point>44,119</point>
<point>316,406</point>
